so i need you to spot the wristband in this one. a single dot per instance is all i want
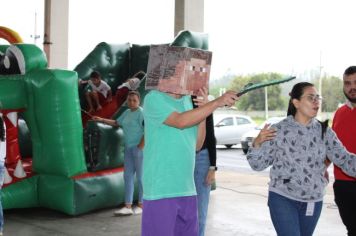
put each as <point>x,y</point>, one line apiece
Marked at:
<point>213,168</point>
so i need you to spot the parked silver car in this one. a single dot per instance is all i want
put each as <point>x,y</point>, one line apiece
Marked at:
<point>248,137</point>
<point>230,127</point>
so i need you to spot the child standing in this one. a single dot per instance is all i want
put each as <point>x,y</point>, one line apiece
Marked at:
<point>99,92</point>
<point>131,122</point>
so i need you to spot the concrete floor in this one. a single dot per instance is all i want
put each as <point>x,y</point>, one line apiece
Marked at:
<point>237,207</point>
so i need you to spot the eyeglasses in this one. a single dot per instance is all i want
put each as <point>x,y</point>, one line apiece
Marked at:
<point>313,97</point>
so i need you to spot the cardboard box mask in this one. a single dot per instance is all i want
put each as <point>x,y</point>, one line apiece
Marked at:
<point>178,70</point>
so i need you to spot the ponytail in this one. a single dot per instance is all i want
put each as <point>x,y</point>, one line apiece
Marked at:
<point>324,125</point>
<point>291,108</point>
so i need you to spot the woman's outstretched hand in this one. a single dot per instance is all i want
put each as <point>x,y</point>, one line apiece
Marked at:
<point>267,133</point>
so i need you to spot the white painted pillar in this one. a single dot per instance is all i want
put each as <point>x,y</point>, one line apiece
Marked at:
<point>56,24</point>
<point>189,15</point>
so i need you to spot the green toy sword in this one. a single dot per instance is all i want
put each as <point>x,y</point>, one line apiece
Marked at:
<point>251,86</point>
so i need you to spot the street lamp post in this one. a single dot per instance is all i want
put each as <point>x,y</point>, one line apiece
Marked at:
<point>266,103</point>
<point>320,84</point>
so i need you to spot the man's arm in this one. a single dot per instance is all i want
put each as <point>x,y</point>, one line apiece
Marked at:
<point>197,115</point>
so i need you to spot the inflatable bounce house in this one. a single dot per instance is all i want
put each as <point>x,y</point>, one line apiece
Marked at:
<point>52,160</point>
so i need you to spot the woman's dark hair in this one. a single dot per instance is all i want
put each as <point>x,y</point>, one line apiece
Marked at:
<point>296,93</point>
<point>2,130</point>
<point>324,125</point>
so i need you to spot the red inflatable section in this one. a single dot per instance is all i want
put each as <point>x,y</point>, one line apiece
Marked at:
<point>12,138</point>
<point>98,173</point>
<point>108,108</point>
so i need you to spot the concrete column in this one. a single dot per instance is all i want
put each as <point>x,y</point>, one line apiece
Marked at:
<point>55,37</point>
<point>189,15</point>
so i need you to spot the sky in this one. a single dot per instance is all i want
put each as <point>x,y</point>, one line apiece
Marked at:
<point>285,36</point>
<point>292,37</point>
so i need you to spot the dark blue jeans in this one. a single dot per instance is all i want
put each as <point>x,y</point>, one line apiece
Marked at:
<point>289,216</point>
<point>202,164</point>
<point>133,164</point>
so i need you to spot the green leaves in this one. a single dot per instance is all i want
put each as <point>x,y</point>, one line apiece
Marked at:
<point>255,100</point>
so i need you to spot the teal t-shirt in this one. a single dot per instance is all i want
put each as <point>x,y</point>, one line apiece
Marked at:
<point>132,124</point>
<point>168,166</point>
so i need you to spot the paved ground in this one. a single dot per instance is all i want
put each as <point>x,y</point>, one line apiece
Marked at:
<point>238,207</point>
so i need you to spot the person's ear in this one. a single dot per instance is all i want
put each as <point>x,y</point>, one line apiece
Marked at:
<point>296,103</point>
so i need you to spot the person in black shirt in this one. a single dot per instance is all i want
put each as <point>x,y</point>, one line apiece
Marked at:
<point>204,172</point>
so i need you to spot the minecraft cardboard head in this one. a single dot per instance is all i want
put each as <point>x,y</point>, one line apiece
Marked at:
<point>178,70</point>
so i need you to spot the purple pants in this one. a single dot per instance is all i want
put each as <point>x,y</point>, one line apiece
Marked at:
<point>170,217</point>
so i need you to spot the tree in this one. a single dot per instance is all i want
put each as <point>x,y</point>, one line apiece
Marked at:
<point>332,93</point>
<point>255,100</point>
<point>214,91</point>
<point>216,85</point>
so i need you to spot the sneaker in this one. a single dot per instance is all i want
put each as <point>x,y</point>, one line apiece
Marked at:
<point>123,212</point>
<point>137,210</point>
<point>134,83</point>
<point>131,84</point>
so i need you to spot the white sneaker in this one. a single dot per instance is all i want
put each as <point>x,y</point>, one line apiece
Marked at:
<point>131,84</point>
<point>123,212</point>
<point>134,83</point>
<point>137,210</point>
